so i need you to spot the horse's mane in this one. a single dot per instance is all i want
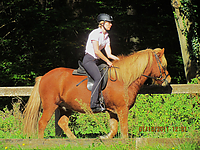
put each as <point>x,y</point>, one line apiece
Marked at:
<point>132,66</point>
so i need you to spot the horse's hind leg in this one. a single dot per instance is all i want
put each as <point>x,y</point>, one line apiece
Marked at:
<point>63,123</point>
<point>113,126</point>
<point>46,116</point>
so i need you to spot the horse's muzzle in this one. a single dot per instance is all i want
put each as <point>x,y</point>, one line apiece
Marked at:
<point>166,81</point>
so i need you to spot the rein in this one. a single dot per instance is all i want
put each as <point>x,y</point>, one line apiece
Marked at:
<point>115,74</point>
<point>158,78</point>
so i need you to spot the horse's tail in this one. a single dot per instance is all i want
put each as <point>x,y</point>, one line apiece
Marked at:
<point>32,110</point>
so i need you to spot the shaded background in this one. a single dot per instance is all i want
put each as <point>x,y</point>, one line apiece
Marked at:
<point>37,36</point>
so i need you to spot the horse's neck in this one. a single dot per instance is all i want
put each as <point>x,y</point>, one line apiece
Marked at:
<point>141,80</point>
<point>136,85</point>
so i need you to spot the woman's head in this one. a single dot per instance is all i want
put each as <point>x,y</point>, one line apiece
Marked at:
<point>106,25</point>
<point>105,21</point>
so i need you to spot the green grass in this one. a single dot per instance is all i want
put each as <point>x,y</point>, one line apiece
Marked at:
<point>100,147</point>
<point>184,146</point>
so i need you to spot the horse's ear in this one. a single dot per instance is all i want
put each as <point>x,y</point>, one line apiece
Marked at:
<point>161,52</point>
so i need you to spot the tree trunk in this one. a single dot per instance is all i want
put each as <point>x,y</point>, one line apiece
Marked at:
<point>183,27</point>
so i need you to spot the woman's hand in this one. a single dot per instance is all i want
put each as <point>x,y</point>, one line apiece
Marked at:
<point>109,54</point>
<point>110,64</point>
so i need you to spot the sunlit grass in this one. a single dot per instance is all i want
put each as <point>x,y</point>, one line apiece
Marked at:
<point>169,111</point>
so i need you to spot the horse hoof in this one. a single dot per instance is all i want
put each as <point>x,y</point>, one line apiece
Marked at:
<point>104,137</point>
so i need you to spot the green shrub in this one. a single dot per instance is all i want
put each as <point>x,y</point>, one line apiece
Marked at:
<point>169,111</point>
<point>90,124</point>
<point>11,122</point>
<point>179,114</point>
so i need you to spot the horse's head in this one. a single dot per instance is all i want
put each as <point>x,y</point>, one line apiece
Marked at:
<point>159,72</point>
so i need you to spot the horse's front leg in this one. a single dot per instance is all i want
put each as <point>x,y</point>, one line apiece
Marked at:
<point>113,126</point>
<point>123,120</point>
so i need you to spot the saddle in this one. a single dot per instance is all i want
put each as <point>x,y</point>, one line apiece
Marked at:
<point>81,72</point>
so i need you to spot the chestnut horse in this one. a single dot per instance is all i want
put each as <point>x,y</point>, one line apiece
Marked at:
<point>57,89</point>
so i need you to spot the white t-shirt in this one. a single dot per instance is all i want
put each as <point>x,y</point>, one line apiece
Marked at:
<point>96,35</point>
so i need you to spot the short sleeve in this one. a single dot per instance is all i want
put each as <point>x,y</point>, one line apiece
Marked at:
<point>94,36</point>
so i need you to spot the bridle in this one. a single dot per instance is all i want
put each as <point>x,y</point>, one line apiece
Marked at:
<point>161,78</point>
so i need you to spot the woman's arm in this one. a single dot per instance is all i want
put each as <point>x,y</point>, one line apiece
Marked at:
<point>109,54</point>
<point>100,54</point>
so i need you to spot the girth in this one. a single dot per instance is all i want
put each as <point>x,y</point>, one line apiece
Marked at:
<point>81,72</point>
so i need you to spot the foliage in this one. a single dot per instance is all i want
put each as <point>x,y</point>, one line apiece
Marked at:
<point>90,125</point>
<point>195,80</point>
<point>29,39</point>
<point>169,111</point>
<point>11,122</point>
<point>36,37</point>
<point>189,11</point>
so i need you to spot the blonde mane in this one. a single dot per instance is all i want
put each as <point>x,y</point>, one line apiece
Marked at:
<point>132,66</point>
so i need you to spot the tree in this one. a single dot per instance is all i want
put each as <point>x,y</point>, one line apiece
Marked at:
<point>39,35</point>
<point>35,39</point>
<point>185,16</point>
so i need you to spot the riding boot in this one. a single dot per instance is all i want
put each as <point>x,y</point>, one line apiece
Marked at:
<point>100,104</point>
<point>101,100</point>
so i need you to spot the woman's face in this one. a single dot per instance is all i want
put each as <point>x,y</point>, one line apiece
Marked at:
<point>108,25</point>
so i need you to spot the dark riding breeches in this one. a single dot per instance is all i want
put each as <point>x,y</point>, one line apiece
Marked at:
<point>89,63</point>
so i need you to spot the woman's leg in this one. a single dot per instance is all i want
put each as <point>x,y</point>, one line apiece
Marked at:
<point>92,69</point>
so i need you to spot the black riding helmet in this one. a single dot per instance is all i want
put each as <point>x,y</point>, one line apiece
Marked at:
<point>104,17</point>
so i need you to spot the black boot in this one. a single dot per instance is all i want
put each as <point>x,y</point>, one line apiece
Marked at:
<point>98,109</point>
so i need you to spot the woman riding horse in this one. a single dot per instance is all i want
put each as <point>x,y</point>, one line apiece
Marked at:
<point>97,40</point>
<point>57,89</point>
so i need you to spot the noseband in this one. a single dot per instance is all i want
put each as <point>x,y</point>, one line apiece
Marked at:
<point>161,78</point>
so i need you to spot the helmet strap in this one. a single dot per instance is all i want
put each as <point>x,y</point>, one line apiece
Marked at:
<point>104,26</point>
